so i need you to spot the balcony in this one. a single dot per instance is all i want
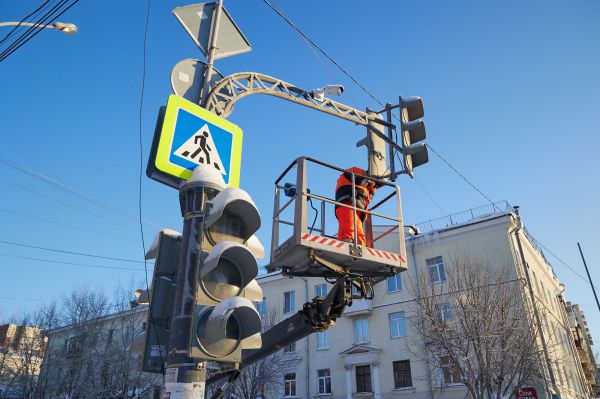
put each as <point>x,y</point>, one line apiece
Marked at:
<point>359,307</point>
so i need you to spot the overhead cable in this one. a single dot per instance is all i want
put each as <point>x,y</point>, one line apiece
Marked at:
<point>68,252</point>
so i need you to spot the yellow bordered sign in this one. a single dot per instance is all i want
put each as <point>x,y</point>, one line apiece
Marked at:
<point>188,136</point>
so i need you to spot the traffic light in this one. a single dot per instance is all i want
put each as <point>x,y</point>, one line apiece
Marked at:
<point>166,250</point>
<point>225,319</point>
<point>413,133</point>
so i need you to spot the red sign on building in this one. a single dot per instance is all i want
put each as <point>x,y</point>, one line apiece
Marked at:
<point>526,393</point>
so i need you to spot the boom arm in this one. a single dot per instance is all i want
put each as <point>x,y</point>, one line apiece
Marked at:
<point>317,315</point>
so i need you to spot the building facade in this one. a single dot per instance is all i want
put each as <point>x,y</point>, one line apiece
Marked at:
<point>21,352</point>
<point>583,343</point>
<point>94,359</point>
<point>372,352</point>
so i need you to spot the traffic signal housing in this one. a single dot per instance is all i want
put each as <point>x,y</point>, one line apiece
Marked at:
<point>225,319</point>
<point>412,127</point>
<point>166,250</point>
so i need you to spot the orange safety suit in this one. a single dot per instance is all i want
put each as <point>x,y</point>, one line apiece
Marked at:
<point>364,190</point>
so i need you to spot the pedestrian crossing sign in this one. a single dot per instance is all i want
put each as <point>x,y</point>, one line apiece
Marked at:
<point>188,136</point>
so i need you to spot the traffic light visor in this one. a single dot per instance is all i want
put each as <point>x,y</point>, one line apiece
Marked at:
<point>232,323</point>
<point>233,213</point>
<point>414,107</point>
<point>228,268</point>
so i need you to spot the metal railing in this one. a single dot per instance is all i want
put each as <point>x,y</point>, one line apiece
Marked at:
<point>470,215</point>
<point>480,213</point>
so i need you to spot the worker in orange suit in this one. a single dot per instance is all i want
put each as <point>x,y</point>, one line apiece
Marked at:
<point>364,191</point>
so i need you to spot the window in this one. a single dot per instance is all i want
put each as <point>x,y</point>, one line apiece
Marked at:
<point>402,377</point>
<point>363,379</point>
<point>436,269</point>
<point>397,325</point>
<point>449,370</point>
<point>361,331</point>
<point>75,343</point>
<point>394,283</point>
<point>111,334</point>
<point>323,340</point>
<point>444,312</point>
<point>324,381</point>
<point>321,290</point>
<point>290,348</point>
<point>289,301</point>
<point>261,307</point>
<point>289,385</point>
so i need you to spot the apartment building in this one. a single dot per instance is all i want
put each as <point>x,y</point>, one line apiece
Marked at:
<point>94,359</point>
<point>372,352</point>
<point>21,352</point>
<point>583,343</point>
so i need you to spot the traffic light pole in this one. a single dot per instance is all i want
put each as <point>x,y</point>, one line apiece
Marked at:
<point>185,377</point>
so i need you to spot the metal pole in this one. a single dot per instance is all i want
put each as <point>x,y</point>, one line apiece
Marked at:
<point>588,274</point>
<point>214,33</point>
<point>185,377</point>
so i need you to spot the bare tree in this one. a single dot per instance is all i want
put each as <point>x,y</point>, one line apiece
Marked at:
<point>477,328</point>
<point>69,367</point>
<point>21,355</point>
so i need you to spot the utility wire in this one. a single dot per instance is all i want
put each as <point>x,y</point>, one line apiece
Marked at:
<point>345,71</point>
<point>19,299</point>
<point>31,30</point>
<point>64,187</point>
<point>64,203</point>
<point>72,263</point>
<point>560,260</point>
<point>289,22</point>
<point>68,252</point>
<point>462,176</point>
<point>23,20</point>
<point>141,173</point>
<point>6,52</point>
<point>70,226</point>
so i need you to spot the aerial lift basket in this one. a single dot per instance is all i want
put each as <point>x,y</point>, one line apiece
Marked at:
<point>311,252</point>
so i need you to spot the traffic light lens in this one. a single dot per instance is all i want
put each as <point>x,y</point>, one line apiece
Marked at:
<point>224,281</point>
<point>229,227</point>
<point>224,341</point>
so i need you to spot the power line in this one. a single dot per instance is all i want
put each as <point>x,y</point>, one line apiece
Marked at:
<point>71,263</point>
<point>41,219</point>
<point>345,71</point>
<point>10,298</point>
<point>23,20</point>
<point>66,204</point>
<point>286,19</point>
<point>66,188</point>
<point>141,173</point>
<point>31,31</point>
<point>43,21</point>
<point>559,259</point>
<point>69,252</point>
<point>462,176</point>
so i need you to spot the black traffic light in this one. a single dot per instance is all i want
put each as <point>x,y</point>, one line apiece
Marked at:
<point>414,149</point>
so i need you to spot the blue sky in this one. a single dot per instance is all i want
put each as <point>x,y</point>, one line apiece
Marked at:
<point>511,93</point>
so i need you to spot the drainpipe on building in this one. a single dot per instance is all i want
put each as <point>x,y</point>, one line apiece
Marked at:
<point>416,275</point>
<point>307,341</point>
<point>519,226</point>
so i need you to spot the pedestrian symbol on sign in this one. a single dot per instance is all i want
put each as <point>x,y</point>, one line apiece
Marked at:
<point>201,149</point>
<point>187,137</point>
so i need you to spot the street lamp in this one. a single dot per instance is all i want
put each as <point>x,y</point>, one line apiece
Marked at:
<point>61,26</point>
